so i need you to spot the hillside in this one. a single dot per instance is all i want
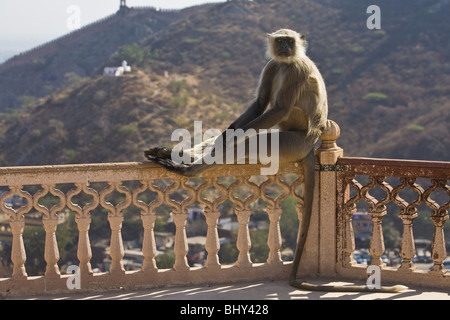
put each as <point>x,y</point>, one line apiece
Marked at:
<point>388,89</point>
<point>52,66</point>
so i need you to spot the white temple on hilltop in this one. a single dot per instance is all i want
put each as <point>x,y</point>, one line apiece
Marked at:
<point>117,71</point>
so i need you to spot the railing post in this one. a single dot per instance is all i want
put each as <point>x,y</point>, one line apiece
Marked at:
<point>243,240</point>
<point>212,215</point>
<point>274,240</point>
<point>438,251</point>
<point>148,218</point>
<point>408,212</point>
<point>377,247</point>
<point>327,155</point>
<point>51,249</point>
<point>84,251</point>
<point>439,215</point>
<point>349,239</point>
<point>18,255</point>
<point>17,223</point>
<point>116,245</point>
<point>181,245</point>
<point>83,220</point>
<point>212,245</point>
<point>148,243</point>
<point>115,218</point>
<point>407,249</point>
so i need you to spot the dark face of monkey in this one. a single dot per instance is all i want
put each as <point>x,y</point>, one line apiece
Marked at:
<point>284,46</point>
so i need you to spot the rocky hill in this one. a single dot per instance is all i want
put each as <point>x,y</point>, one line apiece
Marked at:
<point>51,66</point>
<point>388,89</point>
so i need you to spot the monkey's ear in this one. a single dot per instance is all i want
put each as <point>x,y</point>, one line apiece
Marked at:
<point>303,37</point>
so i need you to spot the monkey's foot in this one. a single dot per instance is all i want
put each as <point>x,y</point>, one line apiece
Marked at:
<point>158,152</point>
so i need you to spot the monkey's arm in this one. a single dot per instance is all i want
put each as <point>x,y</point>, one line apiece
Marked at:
<point>263,96</point>
<point>285,101</point>
<point>253,111</point>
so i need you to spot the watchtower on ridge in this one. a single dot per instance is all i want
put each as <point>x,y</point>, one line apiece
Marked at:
<point>123,3</point>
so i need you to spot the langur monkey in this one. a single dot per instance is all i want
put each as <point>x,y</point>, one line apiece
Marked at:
<point>292,96</point>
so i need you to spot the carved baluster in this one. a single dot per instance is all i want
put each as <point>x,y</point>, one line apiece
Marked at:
<point>439,252</point>
<point>212,245</point>
<point>17,222</point>
<point>180,216</point>
<point>115,218</point>
<point>274,239</point>
<point>83,220</point>
<point>148,243</point>
<point>408,249</point>
<point>148,217</point>
<point>18,255</point>
<point>51,253</point>
<point>51,249</point>
<point>349,240</point>
<point>243,242</point>
<point>181,246</point>
<point>51,246</point>
<point>50,221</point>
<point>349,210</point>
<point>377,241</point>
<point>212,214</point>
<point>438,216</point>
<point>377,211</point>
<point>408,212</point>
<point>274,211</point>
<point>243,239</point>
<point>243,213</point>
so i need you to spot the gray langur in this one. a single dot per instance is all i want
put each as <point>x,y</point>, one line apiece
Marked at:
<point>292,96</point>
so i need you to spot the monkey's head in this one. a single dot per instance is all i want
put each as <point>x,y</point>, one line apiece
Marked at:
<point>286,45</point>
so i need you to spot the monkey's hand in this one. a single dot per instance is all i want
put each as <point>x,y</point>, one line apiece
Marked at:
<point>163,157</point>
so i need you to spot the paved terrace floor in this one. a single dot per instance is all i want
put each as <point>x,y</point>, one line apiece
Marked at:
<point>271,290</point>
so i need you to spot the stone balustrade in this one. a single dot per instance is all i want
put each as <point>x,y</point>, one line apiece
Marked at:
<point>398,187</point>
<point>116,187</point>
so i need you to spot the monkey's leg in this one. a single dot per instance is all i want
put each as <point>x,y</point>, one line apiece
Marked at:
<point>290,145</point>
<point>166,153</point>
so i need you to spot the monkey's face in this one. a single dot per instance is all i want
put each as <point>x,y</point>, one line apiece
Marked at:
<point>284,46</point>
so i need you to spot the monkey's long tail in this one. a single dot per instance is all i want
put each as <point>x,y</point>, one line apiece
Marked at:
<point>353,288</point>
<point>308,193</point>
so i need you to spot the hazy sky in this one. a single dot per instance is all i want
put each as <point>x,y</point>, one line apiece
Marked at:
<point>27,23</point>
